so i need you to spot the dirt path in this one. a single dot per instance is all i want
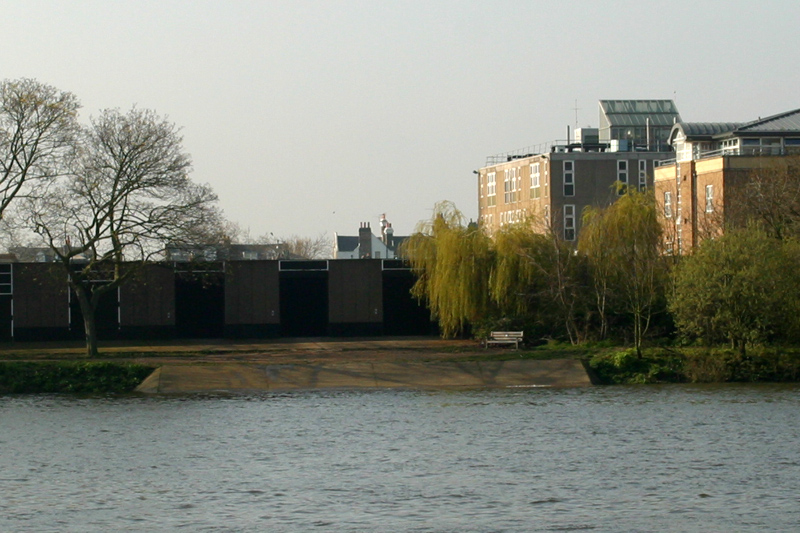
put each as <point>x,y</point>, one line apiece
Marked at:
<point>283,351</point>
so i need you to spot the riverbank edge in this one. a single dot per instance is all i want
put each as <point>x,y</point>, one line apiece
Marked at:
<point>605,364</point>
<point>78,377</point>
<point>234,377</point>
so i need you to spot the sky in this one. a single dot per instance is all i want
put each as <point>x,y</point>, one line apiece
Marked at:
<point>311,117</point>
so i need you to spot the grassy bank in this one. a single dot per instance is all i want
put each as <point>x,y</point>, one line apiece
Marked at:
<point>71,376</point>
<point>696,365</point>
<point>616,365</point>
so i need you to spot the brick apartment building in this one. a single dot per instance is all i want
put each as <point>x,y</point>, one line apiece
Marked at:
<point>551,184</point>
<point>712,163</point>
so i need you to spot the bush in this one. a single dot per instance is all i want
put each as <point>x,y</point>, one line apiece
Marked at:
<point>76,377</point>
<point>624,367</point>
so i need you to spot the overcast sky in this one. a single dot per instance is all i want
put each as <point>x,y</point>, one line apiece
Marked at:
<point>313,116</point>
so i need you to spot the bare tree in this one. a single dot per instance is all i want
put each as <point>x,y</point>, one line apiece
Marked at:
<point>128,196</point>
<point>318,247</point>
<point>769,196</point>
<point>38,124</point>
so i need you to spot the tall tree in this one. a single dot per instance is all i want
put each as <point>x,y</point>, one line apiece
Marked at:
<point>38,126</point>
<point>741,288</point>
<point>622,245</point>
<point>452,261</point>
<point>539,275</point>
<point>127,197</point>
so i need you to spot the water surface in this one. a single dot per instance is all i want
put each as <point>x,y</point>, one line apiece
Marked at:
<point>651,458</point>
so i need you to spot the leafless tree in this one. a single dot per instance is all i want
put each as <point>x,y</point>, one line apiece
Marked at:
<point>318,247</point>
<point>128,195</point>
<point>38,125</point>
<point>770,196</point>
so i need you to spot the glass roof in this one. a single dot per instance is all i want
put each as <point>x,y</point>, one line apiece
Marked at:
<point>636,112</point>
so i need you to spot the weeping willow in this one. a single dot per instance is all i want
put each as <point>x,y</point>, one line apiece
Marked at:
<point>621,243</point>
<point>453,263</point>
<point>538,276</point>
<point>515,276</point>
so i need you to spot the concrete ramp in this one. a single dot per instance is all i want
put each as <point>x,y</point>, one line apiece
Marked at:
<point>435,375</point>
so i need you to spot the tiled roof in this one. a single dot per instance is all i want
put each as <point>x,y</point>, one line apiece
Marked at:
<point>345,243</point>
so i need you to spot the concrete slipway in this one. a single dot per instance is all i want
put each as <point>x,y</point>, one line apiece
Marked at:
<point>241,377</point>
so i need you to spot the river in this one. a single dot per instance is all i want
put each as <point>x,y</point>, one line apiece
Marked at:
<point>647,458</point>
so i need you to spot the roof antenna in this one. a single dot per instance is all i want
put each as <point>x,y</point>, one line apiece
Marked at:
<point>576,108</point>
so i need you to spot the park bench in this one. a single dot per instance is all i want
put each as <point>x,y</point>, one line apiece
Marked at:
<point>505,337</point>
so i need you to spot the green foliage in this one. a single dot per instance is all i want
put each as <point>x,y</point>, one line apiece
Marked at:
<point>541,277</point>
<point>758,365</point>
<point>741,288</point>
<point>80,377</point>
<point>627,367</point>
<point>696,365</point>
<point>621,244</point>
<point>453,264</point>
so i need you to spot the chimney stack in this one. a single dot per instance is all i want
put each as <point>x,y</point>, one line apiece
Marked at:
<point>364,241</point>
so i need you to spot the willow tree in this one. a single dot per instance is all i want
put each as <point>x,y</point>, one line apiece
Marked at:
<point>622,245</point>
<point>452,261</point>
<point>127,197</point>
<point>539,275</point>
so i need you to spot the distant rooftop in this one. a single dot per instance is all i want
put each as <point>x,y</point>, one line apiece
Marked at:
<point>625,120</point>
<point>627,113</point>
<point>780,123</point>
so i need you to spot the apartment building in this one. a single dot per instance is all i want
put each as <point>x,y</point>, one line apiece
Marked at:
<point>712,163</point>
<point>549,185</point>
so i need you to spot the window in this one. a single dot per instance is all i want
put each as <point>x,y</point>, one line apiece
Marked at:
<point>730,146</point>
<point>6,285</point>
<point>642,174</point>
<point>667,204</point>
<point>510,185</point>
<point>709,198</point>
<point>622,176</point>
<point>569,178</point>
<point>491,188</point>
<point>547,216</point>
<point>535,181</point>
<point>569,222</point>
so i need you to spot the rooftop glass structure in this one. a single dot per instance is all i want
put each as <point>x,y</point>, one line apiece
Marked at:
<point>637,121</point>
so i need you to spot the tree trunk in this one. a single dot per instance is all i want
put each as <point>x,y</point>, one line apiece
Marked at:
<point>88,307</point>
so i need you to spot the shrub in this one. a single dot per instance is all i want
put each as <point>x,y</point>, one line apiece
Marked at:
<point>78,377</point>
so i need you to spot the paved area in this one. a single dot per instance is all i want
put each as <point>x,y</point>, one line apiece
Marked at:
<point>382,374</point>
<point>260,351</point>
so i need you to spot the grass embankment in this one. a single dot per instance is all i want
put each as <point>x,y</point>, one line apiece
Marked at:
<point>696,365</point>
<point>71,376</point>
<point>615,365</point>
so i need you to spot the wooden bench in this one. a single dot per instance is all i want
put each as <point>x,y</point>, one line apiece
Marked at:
<point>505,337</point>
